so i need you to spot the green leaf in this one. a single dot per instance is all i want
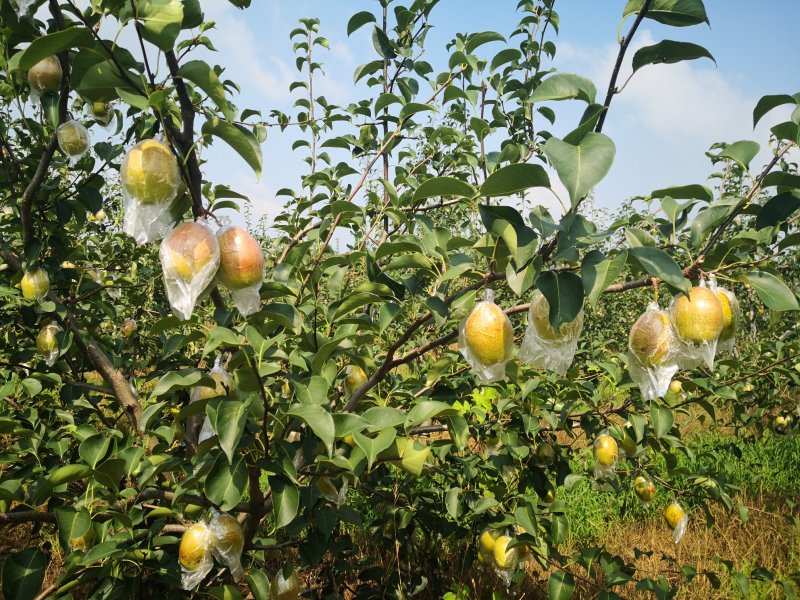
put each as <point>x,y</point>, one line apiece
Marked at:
<point>68,473</point>
<point>23,573</point>
<point>693,191</point>
<point>514,178</point>
<point>479,39</point>
<point>48,45</point>
<point>660,264</point>
<point>560,585</point>
<point>778,209</point>
<point>176,380</point>
<point>505,56</point>
<point>228,418</point>
<point>358,20</point>
<point>564,86</point>
<point>668,52</point>
<point>203,76</point>
<point>382,44</point>
<point>705,220</point>
<point>772,291</point>
<point>413,108</point>
<point>241,139</point>
<point>676,13</point>
<point>161,21</point>
<point>428,409</point>
<point>258,582</point>
<point>94,449</point>
<point>381,417</point>
<point>662,419</point>
<point>226,483</point>
<point>598,272</point>
<point>581,167</point>
<point>72,523</point>
<point>741,152</point>
<point>374,446</point>
<point>564,293</point>
<point>506,223</point>
<point>133,99</point>
<point>286,500</point>
<point>443,186</point>
<point>767,103</point>
<point>319,420</point>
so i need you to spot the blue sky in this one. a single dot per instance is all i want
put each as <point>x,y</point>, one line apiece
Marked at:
<point>662,123</point>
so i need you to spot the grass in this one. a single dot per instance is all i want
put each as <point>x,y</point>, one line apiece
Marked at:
<point>767,470</point>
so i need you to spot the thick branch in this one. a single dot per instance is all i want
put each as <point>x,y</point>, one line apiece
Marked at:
<point>27,516</point>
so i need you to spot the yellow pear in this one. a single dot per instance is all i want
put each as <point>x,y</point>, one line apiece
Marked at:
<point>650,338</point>
<point>697,317</point>
<point>488,334</point>
<point>150,173</point>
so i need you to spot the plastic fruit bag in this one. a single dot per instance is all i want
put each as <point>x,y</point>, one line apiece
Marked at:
<point>676,519</point>
<point>22,7</point>
<point>73,140</point>
<point>101,113</point>
<point>45,77</point>
<point>545,347</point>
<point>486,339</point>
<point>227,542</point>
<point>194,555</point>
<point>696,320</point>
<point>606,453</point>
<point>150,179</point>
<point>47,343</point>
<point>35,284</point>
<point>651,360</point>
<point>285,587</point>
<point>730,315</point>
<point>198,427</point>
<point>645,489</point>
<point>189,260</point>
<point>241,267</point>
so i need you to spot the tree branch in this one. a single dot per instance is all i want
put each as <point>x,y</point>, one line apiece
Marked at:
<point>612,84</point>
<point>28,196</point>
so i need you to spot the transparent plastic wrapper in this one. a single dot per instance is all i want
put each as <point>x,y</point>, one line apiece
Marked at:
<point>206,431</point>
<point>645,489</point>
<point>22,7</point>
<point>189,259</point>
<point>45,77</point>
<point>35,284</point>
<point>47,344</point>
<point>606,454</point>
<point>545,347</point>
<point>227,542</point>
<point>505,560</point>
<point>696,321</point>
<point>198,427</point>
<point>241,267</point>
<point>285,587</point>
<point>194,555</point>
<point>730,315</point>
<point>73,140</point>
<point>651,356</point>
<point>486,339</point>
<point>101,113</point>
<point>150,179</point>
<point>677,519</point>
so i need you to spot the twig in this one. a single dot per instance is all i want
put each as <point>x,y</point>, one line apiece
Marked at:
<point>612,85</point>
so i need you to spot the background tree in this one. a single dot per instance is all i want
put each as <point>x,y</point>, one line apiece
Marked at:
<point>423,182</point>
